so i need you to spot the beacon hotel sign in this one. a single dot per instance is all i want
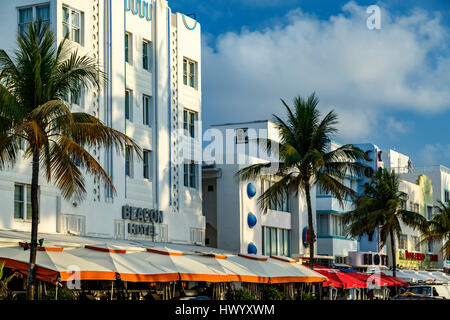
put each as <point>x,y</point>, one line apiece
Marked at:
<point>141,221</point>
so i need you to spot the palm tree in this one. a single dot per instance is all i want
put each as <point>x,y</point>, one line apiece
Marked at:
<point>439,228</point>
<point>4,282</point>
<point>305,159</point>
<point>381,206</point>
<point>32,109</point>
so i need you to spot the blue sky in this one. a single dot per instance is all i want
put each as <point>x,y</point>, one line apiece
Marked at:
<point>390,87</point>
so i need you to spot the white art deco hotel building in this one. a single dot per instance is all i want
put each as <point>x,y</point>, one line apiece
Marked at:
<point>152,60</point>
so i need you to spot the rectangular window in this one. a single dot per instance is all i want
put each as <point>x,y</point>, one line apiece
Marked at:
<point>190,175</point>
<point>429,212</point>
<point>282,204</point>
<point>129,164</point>
<point>275,242</point>
<point>147,164</point>
<point>19,199</point>
<point>403,242</point>
<point>25,17</point>
<point>128,47</point>
<point>241,135</point>
<point>189,120</point>
<point>446,196</point>
<point>430,246</point>
<point>72,24</point>
<point>323,225</point>
<point>128,104</point>
<point>43,13</point>
<point>189,73</point>
<point>416,243</point>
<point>336,226</point>
<point>22,201</point>
<point>147,113</point>
<point>146,55</point>
<point>33,13</point>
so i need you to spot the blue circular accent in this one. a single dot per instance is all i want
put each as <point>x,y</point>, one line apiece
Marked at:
<point>251,190</point>
<point>252,249</point>
<point>251,220</point>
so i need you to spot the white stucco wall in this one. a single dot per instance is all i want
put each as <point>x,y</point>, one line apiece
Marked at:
<point>165,191</point>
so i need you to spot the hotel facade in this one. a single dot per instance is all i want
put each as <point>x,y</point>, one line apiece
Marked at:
<point>235,221</point>
<point>152,61</point>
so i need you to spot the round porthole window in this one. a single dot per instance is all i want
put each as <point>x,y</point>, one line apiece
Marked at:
<point>252,249</point>
<point>251,220</point>
<point>251,190</point>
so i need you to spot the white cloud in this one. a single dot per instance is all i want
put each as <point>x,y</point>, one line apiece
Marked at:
<point>395,127</point>
<point>434,154</point>
<point>358,72</point>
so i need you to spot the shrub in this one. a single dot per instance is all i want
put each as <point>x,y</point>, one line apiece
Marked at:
<point>273,293</point>
<point>239,295</point>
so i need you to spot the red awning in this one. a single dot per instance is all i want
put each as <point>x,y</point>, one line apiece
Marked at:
<point>373,279</point>
<point>341,279</point>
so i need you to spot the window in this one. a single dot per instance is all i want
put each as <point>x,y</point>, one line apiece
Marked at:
<point>403,242</point>
<point>276,242</point>
<point>353,184</point>
<point>189,119</point>
<point>189,73</point>
<point>128,104</point>
<point>429,212</point>
<point>72,24</point>
<point>75,96</point>
<point>147,113</point>
<point>323,225</point>
<point>22,201</point>
<point>147,164</point>
<point>337,226</point>
<point>33,13</point>
<point>446,196</point>
<point>282,204</point>
<point>190,175</point>
<point>242,135</point>
<point>416,243</point>
<point>430,246</point>
<point>128,48</point>
<point>129,164</point>
<point>22,144</point>
<point>146,55</point>
<point>19,199</point>
<point>414,207</point>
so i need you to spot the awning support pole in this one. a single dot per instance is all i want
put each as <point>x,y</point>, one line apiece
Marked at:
<point>56,292</point>
<point>112,289</point>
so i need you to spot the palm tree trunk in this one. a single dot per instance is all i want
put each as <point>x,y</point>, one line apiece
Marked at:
<point>310,226</point>
<point>394,259</point>
<point>34,226</point>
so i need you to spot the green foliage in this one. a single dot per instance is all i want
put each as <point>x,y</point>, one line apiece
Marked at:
<point>382,205</point>
<point>273,293</point>
<point>305,158</point>
<point>4,282</point>
<point>239,295</point>
<point>439,228</point>
<point>307,296</point>
<point>63,294</point>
